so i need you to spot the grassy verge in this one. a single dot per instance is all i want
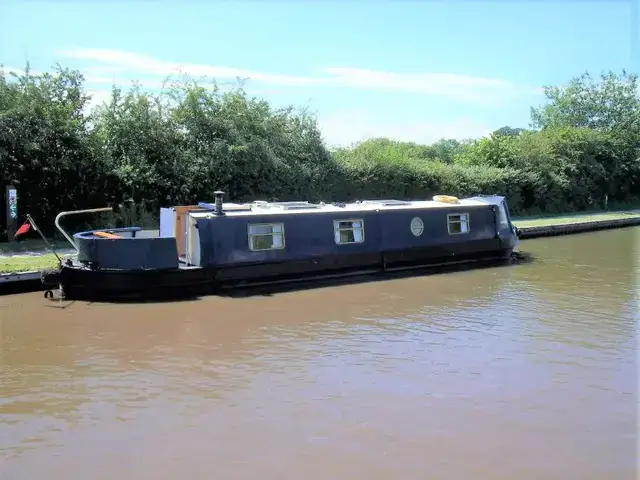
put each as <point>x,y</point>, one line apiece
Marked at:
<point>29,263</point>
<point>574,218</point>
<point>31,245</point>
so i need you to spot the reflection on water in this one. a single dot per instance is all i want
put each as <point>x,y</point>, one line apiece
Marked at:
<point>523,372</point>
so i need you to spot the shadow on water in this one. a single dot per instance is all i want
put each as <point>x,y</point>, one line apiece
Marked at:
<point>294,285</point>
<point>21,286</point>
<point>518,258</point>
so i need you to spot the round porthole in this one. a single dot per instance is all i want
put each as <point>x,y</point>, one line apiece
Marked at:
<point>417,226</point>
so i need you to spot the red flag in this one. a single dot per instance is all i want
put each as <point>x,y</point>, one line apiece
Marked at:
<point>23,229</point>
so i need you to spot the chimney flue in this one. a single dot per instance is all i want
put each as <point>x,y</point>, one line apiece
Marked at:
<point>219,195</point>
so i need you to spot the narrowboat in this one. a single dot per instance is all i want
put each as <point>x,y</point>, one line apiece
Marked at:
<point>218,245</point>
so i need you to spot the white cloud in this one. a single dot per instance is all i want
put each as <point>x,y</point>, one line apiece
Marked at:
<point>340,129</point>
<point>347,127</point>
<point>460,87</point>
<point>104,68</point>
<point>98,97</point>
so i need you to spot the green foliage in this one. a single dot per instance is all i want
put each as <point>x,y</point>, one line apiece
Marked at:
<point>46,149</point>
<point>509,132</point>
<point>178,146</point>
<point>611,104</point>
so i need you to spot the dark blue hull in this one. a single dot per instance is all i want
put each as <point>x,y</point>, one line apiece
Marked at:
<point>81,283</point>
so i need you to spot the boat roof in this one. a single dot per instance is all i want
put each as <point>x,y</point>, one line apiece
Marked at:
<point>267,208</point>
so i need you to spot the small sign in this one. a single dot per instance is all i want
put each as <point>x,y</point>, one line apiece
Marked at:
<point>13,203</point>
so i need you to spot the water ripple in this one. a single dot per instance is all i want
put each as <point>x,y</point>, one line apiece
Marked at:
<point>520,372</point>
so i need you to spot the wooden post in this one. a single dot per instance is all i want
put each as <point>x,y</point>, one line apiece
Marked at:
<point>12,212</point>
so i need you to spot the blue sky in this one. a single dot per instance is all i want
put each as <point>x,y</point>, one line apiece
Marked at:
<point>416,70</point>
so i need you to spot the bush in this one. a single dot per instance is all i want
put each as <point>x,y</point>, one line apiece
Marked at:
<point>180,145</point>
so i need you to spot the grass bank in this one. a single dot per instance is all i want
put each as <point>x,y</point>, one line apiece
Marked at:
<point>27,263</point>
<point>21,261</point>
<point>549,221</point>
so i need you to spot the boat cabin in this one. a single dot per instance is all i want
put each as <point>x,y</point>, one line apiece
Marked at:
<point>322,236</point>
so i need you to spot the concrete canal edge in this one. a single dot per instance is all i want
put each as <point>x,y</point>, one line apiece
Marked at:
<point>33,277</point>
<point>578,227</point>
<point>19,276</point>
<point>20,282</point>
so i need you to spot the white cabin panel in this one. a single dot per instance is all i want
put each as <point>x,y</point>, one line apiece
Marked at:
<point>167,222</point>
<point>193,242</point>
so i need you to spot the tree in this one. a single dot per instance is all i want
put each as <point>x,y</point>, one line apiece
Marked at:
<point>509,131</point>
<point>45,143</point>
<point>610,104</point>
<point>610,107</point>
<point>445,150</point>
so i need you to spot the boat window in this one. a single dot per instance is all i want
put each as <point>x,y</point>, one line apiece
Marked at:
<point>458,223</point>
<point>266,236</point>
<point>416,226</point>
<point>348,231</point>
<point>503,219</point>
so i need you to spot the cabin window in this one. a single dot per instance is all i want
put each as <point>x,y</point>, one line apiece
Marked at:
<point>266,236</point>
<point>348,231</point>
<point>458,223</point>
<point>503,219</point>
<point>416,226</point>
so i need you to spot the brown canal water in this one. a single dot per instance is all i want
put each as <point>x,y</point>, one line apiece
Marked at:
<point>521,372</point>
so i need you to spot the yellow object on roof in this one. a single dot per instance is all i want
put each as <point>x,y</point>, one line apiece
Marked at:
<point>106,235</point>
<point>446,199</point>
